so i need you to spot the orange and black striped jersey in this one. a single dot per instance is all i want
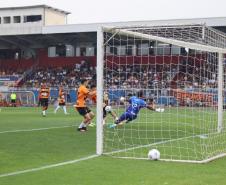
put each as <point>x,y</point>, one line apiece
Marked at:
<point>44,93</point>
<point>94,98</point>
<point>106,99</point>
<point>82,94</point>
<point>61,98</point>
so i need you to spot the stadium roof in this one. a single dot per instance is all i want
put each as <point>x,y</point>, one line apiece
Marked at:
<point>73,33</point>
<point>92,27</point>
<point>35,6</point>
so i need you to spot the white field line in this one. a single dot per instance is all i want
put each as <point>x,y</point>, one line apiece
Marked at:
<point>48,166</point>
<point>171,140</point>
<point>35,129</point>
<point>20,112</point>
<point>180,160</point>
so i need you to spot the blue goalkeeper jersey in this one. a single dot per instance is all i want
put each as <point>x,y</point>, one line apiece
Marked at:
<point>135,105</point>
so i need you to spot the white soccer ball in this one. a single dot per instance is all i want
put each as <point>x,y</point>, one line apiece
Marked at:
<point>108,108</point>
<point>160,110</point>
<point>122,99</point>
<point>154,154</point>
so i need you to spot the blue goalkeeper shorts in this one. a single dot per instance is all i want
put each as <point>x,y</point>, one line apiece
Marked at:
<point>127,116</point>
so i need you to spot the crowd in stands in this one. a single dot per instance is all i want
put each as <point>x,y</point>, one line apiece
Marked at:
<point>69,77</point>
<point>193,75</point>
<point>137,76</point>
<point>161,76</point>
<point>123,77</point>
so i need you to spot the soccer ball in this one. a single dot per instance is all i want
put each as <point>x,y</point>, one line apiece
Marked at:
<point>154,154</point>
<point>122,99</point>
<point>108,108</point>
<point>160,110</point>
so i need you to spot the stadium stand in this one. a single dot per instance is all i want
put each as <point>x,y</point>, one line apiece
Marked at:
<point>69,77</point>
<point>161,75</point>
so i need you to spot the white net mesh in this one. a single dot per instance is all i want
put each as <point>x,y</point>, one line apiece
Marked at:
<point>183,80</point>
<point>23,98</point>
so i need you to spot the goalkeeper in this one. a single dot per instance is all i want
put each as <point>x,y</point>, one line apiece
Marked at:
<point>135,104</point>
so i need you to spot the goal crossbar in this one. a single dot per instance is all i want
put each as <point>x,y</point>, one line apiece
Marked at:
<point>167,40</point>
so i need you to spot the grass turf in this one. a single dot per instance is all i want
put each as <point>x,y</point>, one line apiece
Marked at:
<point>26,150</point>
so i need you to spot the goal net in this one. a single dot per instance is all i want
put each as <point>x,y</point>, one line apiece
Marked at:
<point>23,98</point>
<point>181,67</point>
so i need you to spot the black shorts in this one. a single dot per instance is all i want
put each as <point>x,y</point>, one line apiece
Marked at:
<point>104,112</point>
<point>62,104</point>
<point>13,101</point>
<point>83,110</point>
<point>44,102</point>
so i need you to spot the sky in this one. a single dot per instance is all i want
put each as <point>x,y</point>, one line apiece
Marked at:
<point>93,11</point>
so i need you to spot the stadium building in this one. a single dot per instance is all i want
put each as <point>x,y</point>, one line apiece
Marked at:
<point>36,43</point>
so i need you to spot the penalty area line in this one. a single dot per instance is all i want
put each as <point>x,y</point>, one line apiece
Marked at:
<point>35,129</point>
<point>48,166</point>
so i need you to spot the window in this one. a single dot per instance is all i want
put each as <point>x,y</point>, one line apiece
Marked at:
<point>107,50</point>
<point>16,19</point>
<point>90,51</point>
<point>69,50</point>
<point>152,48</point>
<point>82,51</point>
<point>121,50</point>
<point>52,51</point>
<point>32,18</point>
<point>184,51</point>
<point>9,54</point>
<point>143,49</point>
<point>113,50</point>
<point>129,50</point>
<point>175,50</point>
<point>163,48</point>
<point>77,51</point>
<point>6,20</point>
<point>61,50</point>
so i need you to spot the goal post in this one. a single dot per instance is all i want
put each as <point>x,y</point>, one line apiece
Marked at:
<point>100,68</point>
<point>220,92</point>
<point>182,68</point>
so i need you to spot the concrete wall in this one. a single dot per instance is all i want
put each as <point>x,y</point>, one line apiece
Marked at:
<point>49,17</point>
<point>21,29</point>
<point>20,12</point>
<point>54,18</point>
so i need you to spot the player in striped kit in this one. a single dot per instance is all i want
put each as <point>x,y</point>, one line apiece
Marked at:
<point>61,100</point>
<point>44,94</point>
<point>106,107</point>
<point>83,93</point>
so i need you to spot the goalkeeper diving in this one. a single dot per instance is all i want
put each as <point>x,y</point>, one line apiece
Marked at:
<point>135,104</point>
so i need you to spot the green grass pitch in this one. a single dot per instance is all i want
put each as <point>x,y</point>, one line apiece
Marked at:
<point>54,139</point>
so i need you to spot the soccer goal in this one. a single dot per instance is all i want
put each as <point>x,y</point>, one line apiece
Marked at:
<point>23,98</point>
<point>181,67</point>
